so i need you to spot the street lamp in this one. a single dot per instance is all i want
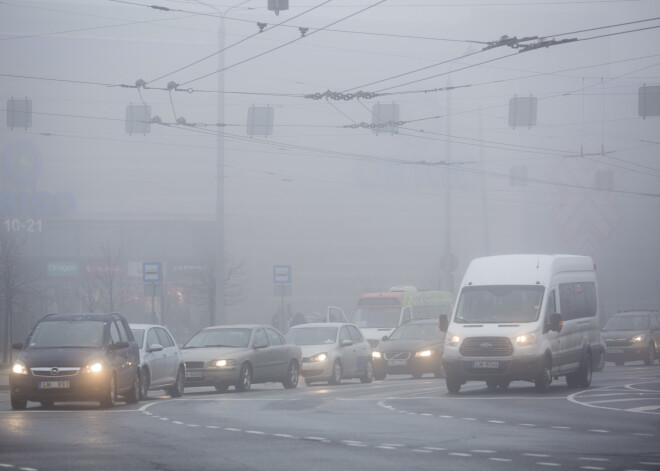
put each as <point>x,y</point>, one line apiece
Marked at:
<point>220,164</point>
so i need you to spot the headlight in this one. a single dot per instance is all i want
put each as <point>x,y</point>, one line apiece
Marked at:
<point>224,363</point>
<point>93,367</point>
<point>526,339</point>
<point>424,353</point>
<point>452,340</point>
<point>376,354</point>
<point>19,368</point>
<point>637,339</point>
<point>319,357</point>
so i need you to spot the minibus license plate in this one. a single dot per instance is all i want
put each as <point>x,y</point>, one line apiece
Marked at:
<point>485,364</point>
<point>53,385</point>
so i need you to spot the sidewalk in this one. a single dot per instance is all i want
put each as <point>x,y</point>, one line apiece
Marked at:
<point>4,376</point>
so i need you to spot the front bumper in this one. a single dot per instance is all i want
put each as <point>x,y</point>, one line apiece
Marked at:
<point>411,366</point>
<point>79,387</point>
<point>316,370</point>
<point>630,353</point>
<point>525,368</point>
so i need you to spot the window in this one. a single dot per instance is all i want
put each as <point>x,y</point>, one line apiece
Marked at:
<point>577,300</point>
<point>355,333</point>
<point>152,338</point>
<point>344,335</point>
<point>275,338</point>
<point>114,333</point>
<point>260,337</point>
<point>164,338</point>
<point>123,333</point>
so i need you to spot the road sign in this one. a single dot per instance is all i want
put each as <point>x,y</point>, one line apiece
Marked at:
<point>151,272</point>
<point>281,274</point>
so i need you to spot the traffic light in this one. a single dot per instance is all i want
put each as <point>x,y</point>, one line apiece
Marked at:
<point>19,113</point>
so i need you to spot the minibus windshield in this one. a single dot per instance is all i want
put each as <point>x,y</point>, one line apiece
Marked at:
<point>496,304</point>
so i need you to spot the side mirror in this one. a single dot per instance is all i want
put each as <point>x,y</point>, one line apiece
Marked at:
<point>17,346</point>
<point>156,347</point>
<point>261,344</point>
<point>555,322</point>
<point>385,337</point>
<point>443,322</point>
<point>346,343</point>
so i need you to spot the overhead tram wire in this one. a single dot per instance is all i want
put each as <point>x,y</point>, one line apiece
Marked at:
<point>237,43</point>
<point>286,44</point>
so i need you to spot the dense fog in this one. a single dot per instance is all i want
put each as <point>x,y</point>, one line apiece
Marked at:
<point>345,206</point>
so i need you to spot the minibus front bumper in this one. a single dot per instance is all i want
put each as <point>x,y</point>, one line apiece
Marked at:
<point>482,369</point>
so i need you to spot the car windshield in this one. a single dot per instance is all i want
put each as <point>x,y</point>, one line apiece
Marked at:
<point>417,332</point>
<point>640,322</point>
<point>312,336</point>
<point>67,334</point>
<point>375,317</point>
<point>139,336</point>
<point>225,337</point>
<point>493,304</point>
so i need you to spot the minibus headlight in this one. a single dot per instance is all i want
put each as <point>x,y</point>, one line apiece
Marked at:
<point>452,340</point>
<point>526,339</point>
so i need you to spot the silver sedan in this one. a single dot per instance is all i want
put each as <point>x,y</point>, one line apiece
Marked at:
<point>239,355</point>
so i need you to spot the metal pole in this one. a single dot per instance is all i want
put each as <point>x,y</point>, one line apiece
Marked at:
<point>449,282</point>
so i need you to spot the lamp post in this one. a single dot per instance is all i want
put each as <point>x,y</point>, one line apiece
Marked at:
<point>220,175</point>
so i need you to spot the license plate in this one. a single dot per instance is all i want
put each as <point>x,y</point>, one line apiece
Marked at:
<point>53,385</point>
<point>485,364</point>
<point>194,374</point>
<point>615,350</point>
<point>396,362</point>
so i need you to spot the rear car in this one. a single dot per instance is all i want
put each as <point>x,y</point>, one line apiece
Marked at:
<point>632,336</point>
<point>76,357</point>
<point>161,361</point>
<point>413,349</point>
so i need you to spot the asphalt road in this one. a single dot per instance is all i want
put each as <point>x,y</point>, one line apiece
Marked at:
<point>396,424</point>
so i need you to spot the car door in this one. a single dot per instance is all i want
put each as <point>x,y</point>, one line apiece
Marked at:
<point>361,347</point>
<point>261,356</point>
<point>155,357</point>
<point>280,353</point>
<point>348,352</point>
<point>171,356</point>
<point>120,357</point>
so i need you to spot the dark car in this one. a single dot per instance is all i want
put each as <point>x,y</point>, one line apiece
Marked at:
<point>76,357</point>
<point>632,335</point>
<point>414,348</point>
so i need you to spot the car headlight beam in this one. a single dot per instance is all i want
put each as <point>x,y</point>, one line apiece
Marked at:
<point>319,357</point>
<point>452,340</point>
<point>376,355</point>
<point>224,363</point>
<point>637,338</point>
<point>424,354</point>
<point>19,368</point>
<point>524,340</point>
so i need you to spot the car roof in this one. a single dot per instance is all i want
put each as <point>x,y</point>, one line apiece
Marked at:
<point>235,326</point>
<point>146,326</point>
<point>320,324</point>
<point>426,320</point>
<point>81,317</point>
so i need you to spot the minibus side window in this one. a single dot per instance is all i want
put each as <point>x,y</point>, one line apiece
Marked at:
<point>550,309</point>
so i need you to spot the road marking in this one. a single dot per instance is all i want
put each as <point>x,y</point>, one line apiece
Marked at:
<point>546,463</point>
<point>528,425</point>
<point>255,432</point>
<point>229,429</point>
<point>432,448</point>
<point>500,459</point>
<point>482,451</point>
<point>598,431</point>
<point>560,427</point>
<point>317,439</point>
<point>595,468</point>
<point>496,422</point>
<point>385,447</point>
<point>421,450</point>
<point>282,435</point>
<point>460,454</point>
<point>588,458</point>
<point>536,455</point>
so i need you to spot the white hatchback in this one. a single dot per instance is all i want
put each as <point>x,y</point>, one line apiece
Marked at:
<point>161,361</point>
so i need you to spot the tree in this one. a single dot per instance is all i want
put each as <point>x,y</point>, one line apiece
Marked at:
<point>16,279</point>
<point>103,285</point>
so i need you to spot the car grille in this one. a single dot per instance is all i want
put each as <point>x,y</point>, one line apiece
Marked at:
<point>486,347</point>
<point>396,355</point>
<point>54,372</point>
<point>194,365</point>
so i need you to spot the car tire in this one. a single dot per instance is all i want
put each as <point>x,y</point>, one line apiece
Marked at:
<point>133,395</point>
<point>179,385</point>
<point>336,373</point>
<point>585,373</point>
<point>650,355</point>
<point>292,373</point>
<point>453,383</point>
<point>145,382</point>
<point>18,403</point>
<point>244,378</point>
<point>110,397</point>
<point>368,375</point>
<point>544,378</point>
<point>600,365</point>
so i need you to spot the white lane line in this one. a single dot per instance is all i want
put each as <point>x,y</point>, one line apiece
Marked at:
<point>230,429</point>
<point>394,444</point>
<point>527,425</point>
<point>446,417</point>
<point>593,468</point>
<point>536,455</point>
<point>282,435</point>
<point>588,458</point>
<point>433,448</point>
<point>460,454</point>
<point>384,447</point>
<point>317,439</point>
<point>211,426</point>
<point>177,422</point>
<point>6,465</point>
<point>192,425</point>
<point>496,422</point>
<point>468,418</point>
<point>420,450</point>
<point>28,469</point>
<point>547,463</point>
<point>255,432</point>
<point>482,451</point>
<point>560,427</point>
<point>643,434</point>
<point>598,431</point>
<point>163,418</point>
<point>500,459</point>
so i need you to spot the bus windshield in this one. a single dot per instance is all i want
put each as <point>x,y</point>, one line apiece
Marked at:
<point>376,317</point>
<point>493,304</point>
